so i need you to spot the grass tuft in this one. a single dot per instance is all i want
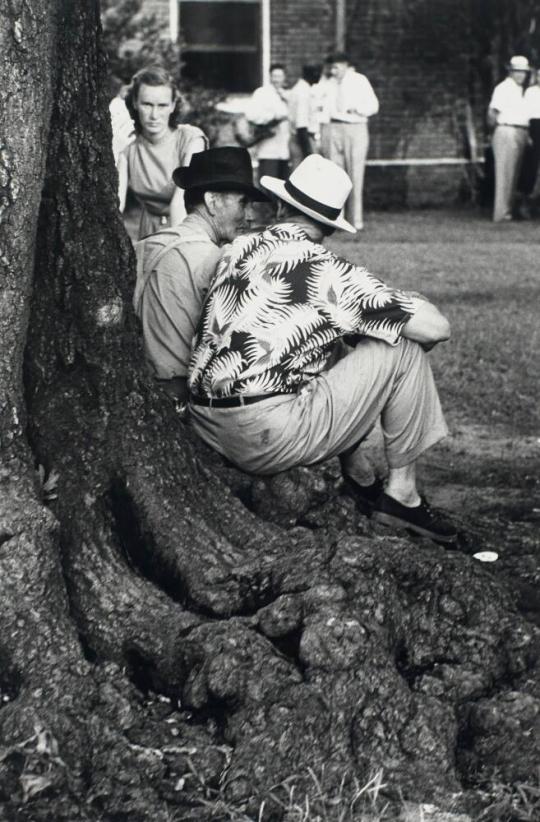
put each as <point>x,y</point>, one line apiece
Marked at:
<point>518,802</point>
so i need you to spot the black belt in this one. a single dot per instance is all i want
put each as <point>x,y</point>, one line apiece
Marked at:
<point>235,402</point>
<point>513,125</point>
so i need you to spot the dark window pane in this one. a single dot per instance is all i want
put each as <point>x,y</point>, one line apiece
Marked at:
<point>221,43</point>
<point>235,72</point>
<point>224,24</point>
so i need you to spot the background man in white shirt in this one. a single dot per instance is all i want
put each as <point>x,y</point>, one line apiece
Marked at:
<point>269,107</point>
<point>322,114</point>
<point>531,161</point>
<point>508,113</point>
<point>351,101</point>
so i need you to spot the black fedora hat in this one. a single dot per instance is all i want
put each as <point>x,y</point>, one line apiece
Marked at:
<point>226,168</point>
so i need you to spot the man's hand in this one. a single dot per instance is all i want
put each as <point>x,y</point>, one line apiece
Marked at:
<point>427,346</point>
<point>427,326</point>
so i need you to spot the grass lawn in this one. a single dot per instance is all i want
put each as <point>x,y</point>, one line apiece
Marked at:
<point>486,279</point>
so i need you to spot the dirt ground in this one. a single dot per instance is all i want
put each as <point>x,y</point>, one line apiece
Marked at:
<point>465,475</point>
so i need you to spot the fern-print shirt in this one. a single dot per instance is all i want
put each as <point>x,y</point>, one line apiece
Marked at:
<point>276,308</point>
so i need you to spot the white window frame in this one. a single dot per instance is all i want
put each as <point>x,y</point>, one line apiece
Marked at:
<point>266,39</point>
<point>174,21</point>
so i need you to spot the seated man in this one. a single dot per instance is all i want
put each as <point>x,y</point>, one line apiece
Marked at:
<point>174,266</point>
<point>272,383</point>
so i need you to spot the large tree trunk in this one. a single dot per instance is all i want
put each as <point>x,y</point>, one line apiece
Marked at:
<point>281,632</point>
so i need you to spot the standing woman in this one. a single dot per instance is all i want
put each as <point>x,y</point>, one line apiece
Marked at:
<point>161,145</point>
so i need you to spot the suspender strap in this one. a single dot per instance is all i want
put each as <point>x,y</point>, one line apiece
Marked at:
<point>146,266</point>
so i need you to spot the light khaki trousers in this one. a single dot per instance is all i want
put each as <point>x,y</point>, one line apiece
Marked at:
<point>334,412</point>
<point>508,148</point>
<point>349,143</point>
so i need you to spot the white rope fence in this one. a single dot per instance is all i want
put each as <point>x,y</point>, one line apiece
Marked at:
<point>425,161</point>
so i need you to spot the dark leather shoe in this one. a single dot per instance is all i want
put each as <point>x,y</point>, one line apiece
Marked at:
<point>423,520</point>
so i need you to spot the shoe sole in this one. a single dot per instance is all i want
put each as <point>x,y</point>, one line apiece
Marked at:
<point>397,522</point>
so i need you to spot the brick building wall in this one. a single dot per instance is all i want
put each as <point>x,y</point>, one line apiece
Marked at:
<point>301,31</point>
<point>412,51</point>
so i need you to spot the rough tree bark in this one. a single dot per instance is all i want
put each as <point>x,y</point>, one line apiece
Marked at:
<point>281,632</point>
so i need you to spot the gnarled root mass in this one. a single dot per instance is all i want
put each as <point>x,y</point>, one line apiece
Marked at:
<point>275,649</point>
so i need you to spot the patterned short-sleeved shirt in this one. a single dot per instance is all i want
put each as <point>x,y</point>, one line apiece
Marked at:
<point>276,308</point>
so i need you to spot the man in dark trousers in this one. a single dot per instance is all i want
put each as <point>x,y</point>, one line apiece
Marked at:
<point>303,114</point>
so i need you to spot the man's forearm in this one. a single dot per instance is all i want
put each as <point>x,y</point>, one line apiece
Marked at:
<point>492,117</point>
<point>427,326</point>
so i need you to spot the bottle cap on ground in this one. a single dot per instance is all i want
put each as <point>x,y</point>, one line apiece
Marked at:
<point>486,556</point>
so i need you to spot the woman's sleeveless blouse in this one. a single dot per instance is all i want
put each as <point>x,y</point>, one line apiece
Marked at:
<point>150,168</point>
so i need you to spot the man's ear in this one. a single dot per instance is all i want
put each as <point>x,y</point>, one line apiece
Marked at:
<point>210,201</point>
<point>281,209</point>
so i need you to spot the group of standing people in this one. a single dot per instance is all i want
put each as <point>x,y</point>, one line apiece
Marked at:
<point>514,115</point>
<point>327,112</point>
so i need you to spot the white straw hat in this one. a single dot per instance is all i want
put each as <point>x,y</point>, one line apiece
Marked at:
<point>519,63</point>
<point>318,188</point>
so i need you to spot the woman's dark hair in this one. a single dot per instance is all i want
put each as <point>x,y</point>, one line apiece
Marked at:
<point>276,66</point>
<point>338,57</point>
<point>153,76</point>
<point>311,74</point>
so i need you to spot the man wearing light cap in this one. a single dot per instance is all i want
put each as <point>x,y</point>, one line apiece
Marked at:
<point>273,383</point>
<point>509,114</point>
